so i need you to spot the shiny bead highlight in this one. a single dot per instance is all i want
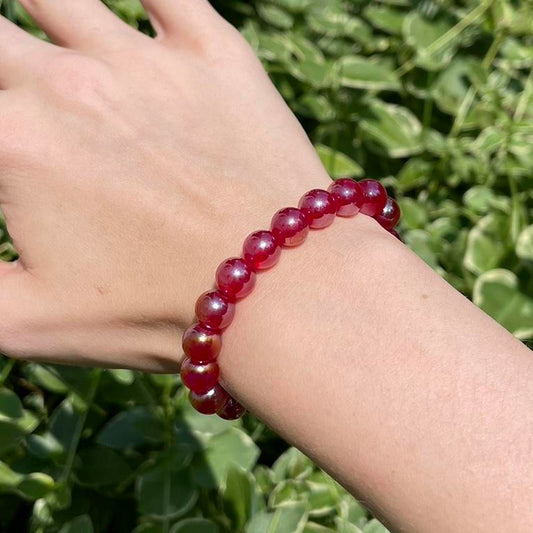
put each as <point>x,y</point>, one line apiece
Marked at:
<point>289,226</point>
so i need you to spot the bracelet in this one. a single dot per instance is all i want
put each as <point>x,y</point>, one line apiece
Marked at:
<point>235,279</point>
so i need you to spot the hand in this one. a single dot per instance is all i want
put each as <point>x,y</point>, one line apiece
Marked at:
<point>129,168</point>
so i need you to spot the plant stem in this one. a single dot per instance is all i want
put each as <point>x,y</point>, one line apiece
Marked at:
<point>7,370</point>
<point>451,34</point>
<point>69,461</point>
<point>524,98</point>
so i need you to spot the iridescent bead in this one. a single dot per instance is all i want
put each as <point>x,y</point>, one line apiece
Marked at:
<point>235,278</point>
<point>261,250</point>
<point>347,195</point>
<point>231,410</point>
<point>210,402</point>
<point>289,226</point>
<point>202,345</point>
<point>389,215</point>
<point>199,377</point>
<point>319,207</point>
<point>214,310</point>
<point>374,197</point>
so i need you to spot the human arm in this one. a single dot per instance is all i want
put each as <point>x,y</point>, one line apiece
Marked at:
<point>123,195</point>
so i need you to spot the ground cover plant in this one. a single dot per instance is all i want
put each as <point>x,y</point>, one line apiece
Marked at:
<point>434,98</point>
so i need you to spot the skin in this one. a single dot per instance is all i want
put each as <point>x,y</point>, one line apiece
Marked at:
<point>122,196</point>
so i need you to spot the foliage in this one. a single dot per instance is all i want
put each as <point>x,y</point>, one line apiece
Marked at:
<point>432,97</point>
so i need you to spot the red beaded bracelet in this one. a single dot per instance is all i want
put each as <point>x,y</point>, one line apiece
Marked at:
<point>235,279</point>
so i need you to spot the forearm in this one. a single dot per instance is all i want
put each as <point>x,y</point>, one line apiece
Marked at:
<point>359,354</point>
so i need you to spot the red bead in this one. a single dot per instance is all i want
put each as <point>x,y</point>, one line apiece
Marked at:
<point>214,310</point>
<point>396,234</point>
<point>261,250</point>
<point>201,344</point>
<point>319,207</point>
<point>389,215</point>
<point>231,410</point>
<point>374,197</point>
<point>347,195</point>
<point>235,278</point>
<point>210,402</point>
<point>290,226</point>
<point>199,377</point>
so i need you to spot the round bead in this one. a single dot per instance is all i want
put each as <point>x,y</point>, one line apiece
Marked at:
<point>396,234</point>
<point>235,278</point>
<point>209,402</point>
<point>199,377</point>
<point>389,215</point>
<point>347,195</point>
<point>231,410</point>
<point>261,250</point>
<point>214,310</point>
<point>201,344</point>
<point>290,226</point>
<point>319,207</point>
<point>374,197</point>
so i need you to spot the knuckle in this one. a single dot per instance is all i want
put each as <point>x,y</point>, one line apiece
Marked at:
<point>229,46</point>
<point>79,78</point>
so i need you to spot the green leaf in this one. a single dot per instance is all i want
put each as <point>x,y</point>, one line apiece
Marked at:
<point>276,16</point>
<point>337,164</point>
<point>289,518</point>
<point>479,199</point>
<point>486,244</point>
<point>421,33</point>
<point>350,510</point>
<point>333,21</point>
<point>422,244</point>
<point>315,73</point>
<point>44,377</point>
<point>316,106</point>
<point>497,293</point>
<point>9,479</point>
<point>374,526</point>
<point>122,375</point>
<point>36,485</point>
<point>323,494</point>
<point>100,466</point>
<point>81,524</point>
<point>385,18</point>
<point>415,173</point>
<point>194,525</point>
<point>292,464</point>
<point>313,527</point>
<point>10,435</point>
<point>233,447</point>
<point>135,427</point>
<point>524,244</point>
<point>164,492</point>
<point>44,446</point>
<point>345,527</point>
<point>450,91</point>
<point>202,427</point>
<point>414,213</point>
<point>10,405</point>
<point>63,423</point>
<point>237,494</point>
<point>392,129</point>
<point>359,72</point>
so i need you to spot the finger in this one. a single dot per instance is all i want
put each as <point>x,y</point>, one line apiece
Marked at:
<point>19,52</point>
<point>182,20</point>
<point>80,24</point>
